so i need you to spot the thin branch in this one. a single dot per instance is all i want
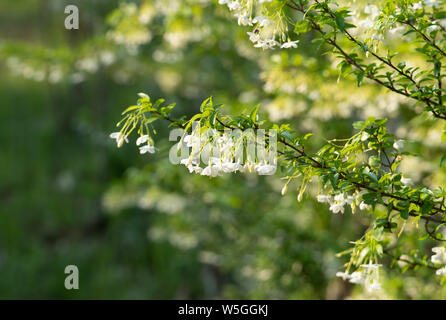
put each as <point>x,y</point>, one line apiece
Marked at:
<point>425,37</point>
<point>370,76</point>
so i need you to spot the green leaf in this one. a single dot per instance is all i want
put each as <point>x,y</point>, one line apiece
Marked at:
<point>443,159</point>
<point>334,180</point>
<point>130,109</point>
<point>253,115</point>
<point>359,77</point>
<point>340,22</point>
<point>287,135</point>
<point>358,125</point>
<point>372,176</point>
<point>426,207</point>
<point>405,214</point>
<point>152,119</point>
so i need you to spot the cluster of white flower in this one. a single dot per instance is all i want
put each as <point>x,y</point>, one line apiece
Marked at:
<point>121,138</point>
<point>430,3</point>
<point>366,19</point>
<point>256,38</point>
<point>440,258</point>
<point>423,5</point>
<point>338,202</point>
<point>368,276</point>
<point>264,34</point>
<point>372,13</point>
<point>223,157</point>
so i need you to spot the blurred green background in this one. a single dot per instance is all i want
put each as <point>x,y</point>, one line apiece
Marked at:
<point>135,225</point>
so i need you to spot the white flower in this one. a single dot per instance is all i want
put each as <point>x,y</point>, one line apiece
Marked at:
<point>272,43</point>
<point>417,6</point>
<point>364,136</point>
<point>371,10</point>
<point>192,140</point>
<point>289,44</point>
<point>439,256</point>
<point>324,198</point>
<point>366,23</point>
<point>211,171</point>
<point>234,5</point>
<point>248,167</point>
<point>142,139</point>
<point>431,3</point>
<point>340,198</point>
<point>357,277</point>
<point>399,145</point>
<point>244,19</point>
<point>225,144</point>
<point>262,44</point>
<point>266,44</point>
<point>441,272</point>
<point>371,266</point>
<point>337,207</point>
<point>119,137</point>
<point>374,286</point>
<point>406,181</point>
<point>349,200</point>
<point>147,148</point>
<point>265,169</point>
<point>191,161</point>
<point>343,275</point>
<point>262,21</point>
<point>253,37</point>
<point>229,167</point>
<point>115,135</point>
<point>196,169</point>
<point>432,28</point>
<point>284,190</point>
<point>339,203</point>
<point>364,206</point>
<point>143,95</point>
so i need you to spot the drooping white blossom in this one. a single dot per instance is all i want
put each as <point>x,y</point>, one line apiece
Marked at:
<point>439,256</point>
<point>399,145</point>
<point>289,44</point>
<point>343,275</point>
<point>364,206</point>
<point>441,272</point>
<point>324,198</point>
<point>244,19</point>
<point>358,277</point>
<point>142,139</point>
<point>119,137</point>
<point>147,148</point>
<point>265,169</point>
<point>373,286</point>
<point>211,171</point>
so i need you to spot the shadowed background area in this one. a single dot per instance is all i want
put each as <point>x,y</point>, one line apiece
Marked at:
<point>136,226</point>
